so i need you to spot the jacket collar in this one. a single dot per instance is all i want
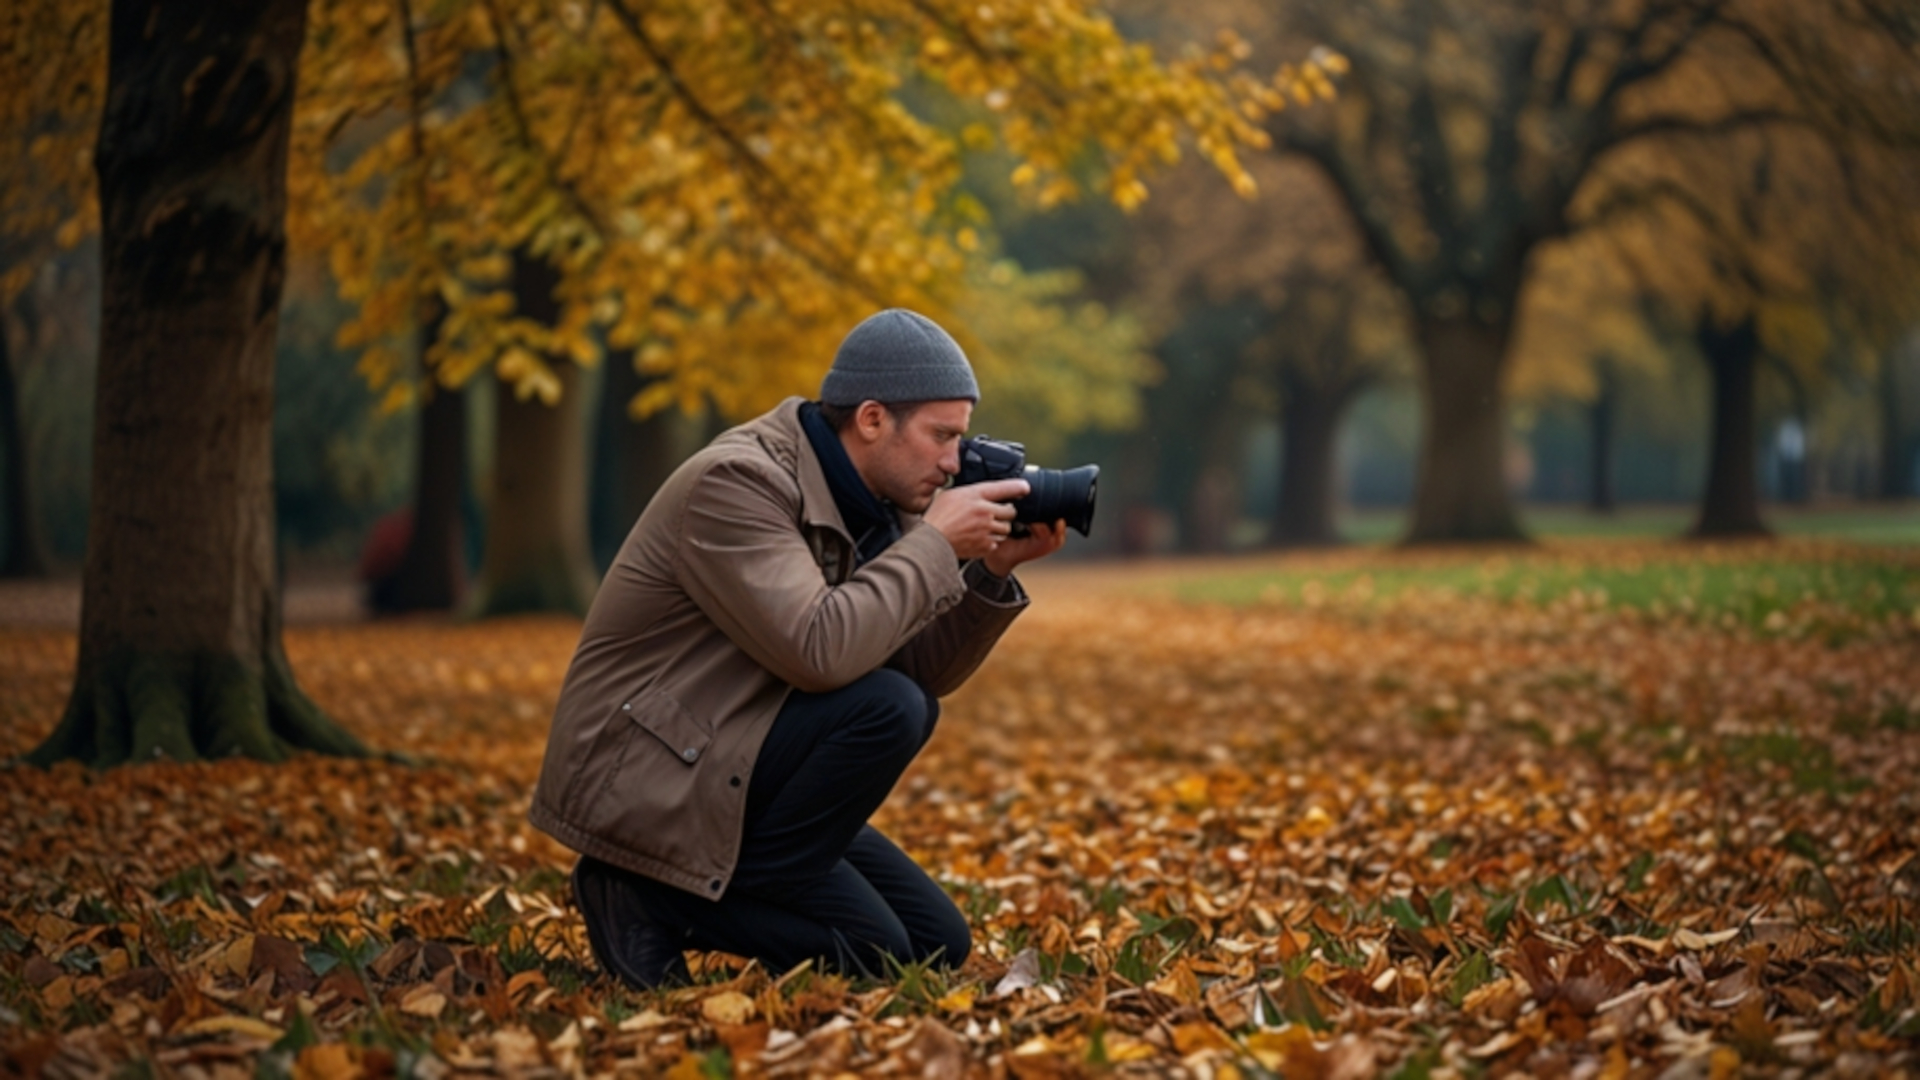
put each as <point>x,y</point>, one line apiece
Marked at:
<point>779,431</point>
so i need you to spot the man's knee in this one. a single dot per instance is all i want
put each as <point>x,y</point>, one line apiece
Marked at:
<point>948,948</point>
<point>894,709</point>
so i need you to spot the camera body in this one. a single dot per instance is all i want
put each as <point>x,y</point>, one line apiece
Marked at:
<point>1053,495</point>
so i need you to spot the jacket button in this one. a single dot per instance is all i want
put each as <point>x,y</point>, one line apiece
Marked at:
<point>689,753</point>
<point>735,781</point>
<point>714,884</point>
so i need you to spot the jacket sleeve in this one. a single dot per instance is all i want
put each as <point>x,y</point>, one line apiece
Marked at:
<point>743,560</point>
<point>947,652</point>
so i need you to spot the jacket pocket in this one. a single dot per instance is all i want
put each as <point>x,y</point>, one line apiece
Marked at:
<point>661,715</point>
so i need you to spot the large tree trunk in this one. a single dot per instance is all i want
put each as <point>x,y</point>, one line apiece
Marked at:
<point>180,653</point>
<point>23,557</point>
<point>1602,415</point>
<point>1896,457</point>
<point>1309,427</point>
<point>537,555</point>
<point>1461,493</point>
<point>1731,505</point>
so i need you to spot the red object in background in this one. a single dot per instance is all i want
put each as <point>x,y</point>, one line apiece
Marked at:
<point>386,545</point>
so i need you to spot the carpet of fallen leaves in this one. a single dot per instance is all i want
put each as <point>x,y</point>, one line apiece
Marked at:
<point>1319,836</point>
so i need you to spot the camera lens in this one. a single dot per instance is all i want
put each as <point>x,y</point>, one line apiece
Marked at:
<point>1060,494</point>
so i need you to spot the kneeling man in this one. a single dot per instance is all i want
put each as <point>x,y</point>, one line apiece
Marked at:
<point>764,659</point>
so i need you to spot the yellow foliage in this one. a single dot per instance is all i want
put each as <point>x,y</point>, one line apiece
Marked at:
<point>726,190</point>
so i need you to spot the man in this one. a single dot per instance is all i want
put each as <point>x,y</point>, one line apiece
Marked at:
<point>764,659</point>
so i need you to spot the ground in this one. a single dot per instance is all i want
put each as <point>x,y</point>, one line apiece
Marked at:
<point>1604,808</point>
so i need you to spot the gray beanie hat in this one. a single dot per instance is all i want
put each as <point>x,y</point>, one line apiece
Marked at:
<point>898,356</point>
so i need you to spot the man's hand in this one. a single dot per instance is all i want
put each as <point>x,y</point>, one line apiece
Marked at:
<point>1040,542</point>
<point>976,517</point>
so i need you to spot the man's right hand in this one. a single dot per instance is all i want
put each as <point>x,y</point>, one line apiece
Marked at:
<point>976,517</point>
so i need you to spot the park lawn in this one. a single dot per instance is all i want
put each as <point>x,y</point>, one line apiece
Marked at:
<point>1865,523</point>
<point>1199,818</point>
<point>1765,585</point>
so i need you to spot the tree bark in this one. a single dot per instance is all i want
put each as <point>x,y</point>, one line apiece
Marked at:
<point>1601,418</point>
<point>180,653</point>
<point>633,458</point>
<point>1309,428</point>
<point>1730,506</point>
<point>432,573</point>
<point>1461,490</point>
<point>537,555</point>
<point>1896,457</point>
<point>23,557</point>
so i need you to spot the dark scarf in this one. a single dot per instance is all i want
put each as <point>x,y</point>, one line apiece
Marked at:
<point>871,522</point>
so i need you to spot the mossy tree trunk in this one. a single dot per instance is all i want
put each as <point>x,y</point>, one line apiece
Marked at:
<point>1730,507</point>
<point>537,558</point>
<point>1461,490</point>
<point>180,653</point>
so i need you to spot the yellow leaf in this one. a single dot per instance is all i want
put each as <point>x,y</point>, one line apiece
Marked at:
<point>728,1007</point>
<point>644,1021</point>
<point>423,1000</point>
<point>238,958</point>
<point>1191,792</point>
<point>1274,1048</point>
<point>960,1000</point>
<point>235,1025</point>
<point>689,1067</point>
<point>1197,1035</point>
<point>331,1061</point>
<point>1315,822</point>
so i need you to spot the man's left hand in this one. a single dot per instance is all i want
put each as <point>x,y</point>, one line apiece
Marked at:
<point>1040,542</point>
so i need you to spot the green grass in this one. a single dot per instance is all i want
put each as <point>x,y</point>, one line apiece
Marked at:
<point>1663,580</point>
<point>1865,524</point>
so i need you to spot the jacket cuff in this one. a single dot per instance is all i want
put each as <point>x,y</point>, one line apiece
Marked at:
<point>991,587</point>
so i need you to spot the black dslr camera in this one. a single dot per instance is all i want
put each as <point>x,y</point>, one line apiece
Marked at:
<point>1053,495</point>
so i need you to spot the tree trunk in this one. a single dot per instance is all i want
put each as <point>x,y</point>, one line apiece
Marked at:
<point>1731,505</point>
<point>1461,493</point>
<point>180,653</point>
<point>1208,525</point>
<point>1601,417</point>
<point>1309,427</point>
<point>433,570</point>
<point>23,557</point>
<point>537,555</point>
<point>1896,458</point>
<point>633,457</point>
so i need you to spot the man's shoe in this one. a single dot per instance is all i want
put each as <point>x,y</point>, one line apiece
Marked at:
<point>626,941</point>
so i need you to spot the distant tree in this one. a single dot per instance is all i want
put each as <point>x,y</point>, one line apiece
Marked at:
<point>48,105</point>
<point>1899,363</point>
<point>1469,135</point>
<point>1281,288</point>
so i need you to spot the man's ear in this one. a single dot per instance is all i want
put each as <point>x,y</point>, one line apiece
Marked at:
<point>870,421</point>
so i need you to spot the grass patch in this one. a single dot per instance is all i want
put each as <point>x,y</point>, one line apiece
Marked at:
<point>1763,591</point>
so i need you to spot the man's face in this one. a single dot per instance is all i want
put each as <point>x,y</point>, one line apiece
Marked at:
<point>908,460</point>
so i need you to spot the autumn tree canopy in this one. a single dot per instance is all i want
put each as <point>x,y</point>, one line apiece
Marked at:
<point>719,188</point>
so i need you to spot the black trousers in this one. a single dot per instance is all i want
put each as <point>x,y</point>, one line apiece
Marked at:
<point>814,880</point>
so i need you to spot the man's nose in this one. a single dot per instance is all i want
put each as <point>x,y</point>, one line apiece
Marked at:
<point>950,462</point>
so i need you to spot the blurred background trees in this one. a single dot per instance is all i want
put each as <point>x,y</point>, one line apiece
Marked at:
<point>1604,254</point>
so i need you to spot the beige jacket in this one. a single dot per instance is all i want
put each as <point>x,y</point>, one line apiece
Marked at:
<point>736,586</point>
